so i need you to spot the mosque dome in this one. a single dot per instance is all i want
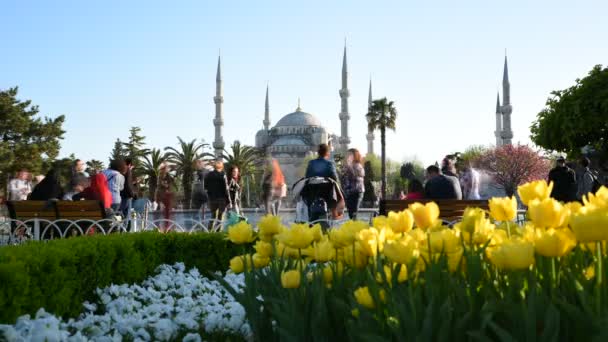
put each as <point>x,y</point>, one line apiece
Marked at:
<point>289,141</point>
<point>298,118</point>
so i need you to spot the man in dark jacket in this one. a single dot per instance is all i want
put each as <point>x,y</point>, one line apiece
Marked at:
<point>216,186</point>
<point>440,186</point>
<point>128,193</point>
<point>322,166</point>
<point>564,181</point>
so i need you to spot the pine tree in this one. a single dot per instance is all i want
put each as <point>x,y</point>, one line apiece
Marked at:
<point>134,148</point>
<point>118,152</point>
<point>94,166</point>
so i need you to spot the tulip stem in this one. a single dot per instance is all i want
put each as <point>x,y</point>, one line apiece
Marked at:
<point>508,229</point>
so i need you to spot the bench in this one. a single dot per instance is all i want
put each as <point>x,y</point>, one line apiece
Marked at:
<point>37,214</point>
<point>449,210</point>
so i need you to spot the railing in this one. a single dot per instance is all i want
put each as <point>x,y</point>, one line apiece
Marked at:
<point>16,231</point>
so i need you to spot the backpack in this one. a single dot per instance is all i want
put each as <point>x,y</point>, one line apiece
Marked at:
<point>596,183</point>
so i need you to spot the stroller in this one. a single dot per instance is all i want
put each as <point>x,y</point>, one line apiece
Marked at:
<point>316,198</point>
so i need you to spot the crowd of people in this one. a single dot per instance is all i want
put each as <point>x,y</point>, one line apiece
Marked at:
<point>219,191</point>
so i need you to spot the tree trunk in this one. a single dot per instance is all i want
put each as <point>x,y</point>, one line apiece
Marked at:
<point>187,184</point>
<point>383,162</point>
<point>152,184</point>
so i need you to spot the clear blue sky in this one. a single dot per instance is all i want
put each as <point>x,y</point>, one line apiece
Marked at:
<point>109,65</point>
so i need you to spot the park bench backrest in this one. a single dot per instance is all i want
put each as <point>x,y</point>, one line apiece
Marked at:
<point>448,209</point>
<point>27,210</point>
<point>80,210</point>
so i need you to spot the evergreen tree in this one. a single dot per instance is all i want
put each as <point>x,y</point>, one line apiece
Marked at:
<point>134,148</point>
<point>118,152</point>
<point>94,166</point>
<point>26,140</point>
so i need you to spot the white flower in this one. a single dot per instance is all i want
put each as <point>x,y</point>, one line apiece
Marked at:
<point>192,338</point>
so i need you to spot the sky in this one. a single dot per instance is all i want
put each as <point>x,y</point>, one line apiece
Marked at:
<point>110,65</point>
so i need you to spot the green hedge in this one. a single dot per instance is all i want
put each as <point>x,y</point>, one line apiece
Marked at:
<point>60,275</point>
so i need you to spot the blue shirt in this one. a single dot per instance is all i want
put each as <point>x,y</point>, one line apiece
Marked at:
<point>321,167</point>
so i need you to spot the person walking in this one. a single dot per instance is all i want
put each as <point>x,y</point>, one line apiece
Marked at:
<point>128,192</point>
<point>116,181</point>
<point>199,195</point>
<point>587,179</point>
<point>216,185</point>
<point>234,190</point>
<point>469,180</point>
<point>164,193</point>
<point>353,182</point>
<point>20,187</point>
<point>564,181</point>
<point>274,188</point>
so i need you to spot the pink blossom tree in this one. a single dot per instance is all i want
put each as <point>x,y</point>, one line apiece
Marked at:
<point>513,165</point>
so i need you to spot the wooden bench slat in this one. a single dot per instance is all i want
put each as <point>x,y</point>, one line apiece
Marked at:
<point>447,208</point>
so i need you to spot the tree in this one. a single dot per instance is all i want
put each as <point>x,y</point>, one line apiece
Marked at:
<point>576,118</point>
<point>184,159</point>
<point>513,165</point>
<point>246,158</point>
<point>134,148</point>
<point>94,166</point>
<point>150,169</point>
<point>471,154</point>
<point>63,166</point>
<point>382,115</point>
<point>26,140</point>
<point>118,152</point>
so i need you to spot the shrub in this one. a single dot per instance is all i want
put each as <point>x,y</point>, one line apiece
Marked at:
<point>60,275</point>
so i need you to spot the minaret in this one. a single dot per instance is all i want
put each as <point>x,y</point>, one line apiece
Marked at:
<point>506,108</point>
<point>498,131</point>
<point>370,133</point>
<point>344,116</point>
<point>267,112</point>
<point>218,122</point>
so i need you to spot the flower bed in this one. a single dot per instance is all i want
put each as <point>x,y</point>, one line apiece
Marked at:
<point>60,275</point>
<point>410,278</point>
<point>175,304</point>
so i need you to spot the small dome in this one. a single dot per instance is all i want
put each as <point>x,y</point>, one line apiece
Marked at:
<point>261,133</point>
<point>298,118</point>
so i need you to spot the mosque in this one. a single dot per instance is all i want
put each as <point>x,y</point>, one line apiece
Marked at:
<point>297,135</point>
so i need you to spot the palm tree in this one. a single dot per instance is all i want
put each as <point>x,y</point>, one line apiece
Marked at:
<point>184,159</point>
<point>382,115</point>
<point>244,157</point>
<point>150,166</point>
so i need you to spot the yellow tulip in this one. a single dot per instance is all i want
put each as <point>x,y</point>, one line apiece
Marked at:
<point>548,213</point>
<point>260,261</point>
<point>539,190</point>
<point>364,297</point>
<point>425,215</point>
<point>388,273</point>
<point>358,259</point>
<point>590,224</point>
<point>263,248</point>
<point>298,236</point>
<point>380,222</point>
<point>284,251</point>
<point>599,199</point>
<point>512,254</point>
<point>240,233</point>
<point>317,233</point>
<point>237,264</point>
<point>483,230</point>
<point>471,219</point>
<point>324,251</point>
<point>590,272</point>
<point>290,279</point>
<point>554,242</point>
<point>401,251</point>
<point>442,241</point>
<point>269,226</point>
<point>368,240</point>
<point>503,208</point>
<point>401,222</point>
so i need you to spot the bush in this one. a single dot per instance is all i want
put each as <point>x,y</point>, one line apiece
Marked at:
<point>60,275</point>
